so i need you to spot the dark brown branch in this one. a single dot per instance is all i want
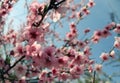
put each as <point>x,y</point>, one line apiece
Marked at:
<point>52,5</point>
<point>14,64</point>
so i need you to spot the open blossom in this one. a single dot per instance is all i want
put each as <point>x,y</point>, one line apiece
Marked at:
<point>20,70</point>
<point>45,77</point>
<point>72,26</point>
<point>64,76</point>
<point>96,36</point>
<point>63,9</point>
<point>98,67</point>
<point>95,39</point>
<point>85,10</point>
<point>105,33</point>
<point>117,42</point>
<point>117,29</point>
<point>110,26</point>
<point>76,71</point>
<point>47,62</point>
<point>36,7</point>
<point>46,57</point>
<point>19,50</point>
<point>87,51</point>
<point>81,44</point>
<point>90,68</point>
<point>33,34</point>
<point>73,32</point>
<point>62,61</point>
<point>104,56</point>
<point>33,49</point>
<point>91,3</point>
<point>69,36</point>
<point>56,16</point>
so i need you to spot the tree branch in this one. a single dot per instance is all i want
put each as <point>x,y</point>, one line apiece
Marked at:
<point>52,5</point>
<point>14,64</point>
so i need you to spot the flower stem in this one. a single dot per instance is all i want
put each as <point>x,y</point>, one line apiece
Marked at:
<point>14,64</point>
<point>94,77</point>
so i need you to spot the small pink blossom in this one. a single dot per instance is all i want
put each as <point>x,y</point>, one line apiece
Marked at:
<point>45,77</point>
<point>19,50</point>
<point>105,33</point>
<point>87,51</point>
<point>98,67</point>
<point>76,71</point>
<point>117,42</point>
<point>64,76</point>
<point>69,36</point>
<point>112,54</point>
<point>104,56</point>
<point>117,29</point>
<point>72,26</point>
<point>20,70</point>
<point>85,11</point>
<point>56,16</point>
<point>33,34</point>
<point>62,61</point>
<point>95,39</point>
<point>91,3</point>
<point>90,69</point>
<point>110,26</point>
<point>33,49</point>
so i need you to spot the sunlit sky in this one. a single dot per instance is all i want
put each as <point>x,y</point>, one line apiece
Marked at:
<point>98,18</point>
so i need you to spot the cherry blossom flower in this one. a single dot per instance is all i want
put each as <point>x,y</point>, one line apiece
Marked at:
<point>19,50</point>
<point>45,77</point>
<point>87,51</point>
<point>105,33</point>
<point>117,42</point>
<point>76,71</point>
<point>117,29</point>
<point>91,3</point>
<point>98,67</point>
<point>20,70</point>
<point>104,56</point>
<point>49,62</point>
<point>56,16</point>
<point>33,49</point>
<point>64,76</point>
<point>33,34</point>
<point>110,26</point>
<point>112,54</point>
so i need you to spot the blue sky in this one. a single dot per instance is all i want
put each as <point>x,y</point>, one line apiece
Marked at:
<point>98,18</point>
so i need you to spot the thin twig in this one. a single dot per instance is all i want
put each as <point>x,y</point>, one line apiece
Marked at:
<point>14,64</point>
<point>94,77</point>
<point>52,5</point>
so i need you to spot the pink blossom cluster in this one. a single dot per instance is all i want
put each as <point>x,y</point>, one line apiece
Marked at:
<point>35,58</point>
<point>5,7</point>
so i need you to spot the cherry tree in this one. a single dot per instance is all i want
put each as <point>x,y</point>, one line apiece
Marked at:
<point>33,51</point>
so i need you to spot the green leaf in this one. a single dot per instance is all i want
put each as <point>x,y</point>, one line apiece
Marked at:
<point>46,8</point>
<point>7,61</point>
